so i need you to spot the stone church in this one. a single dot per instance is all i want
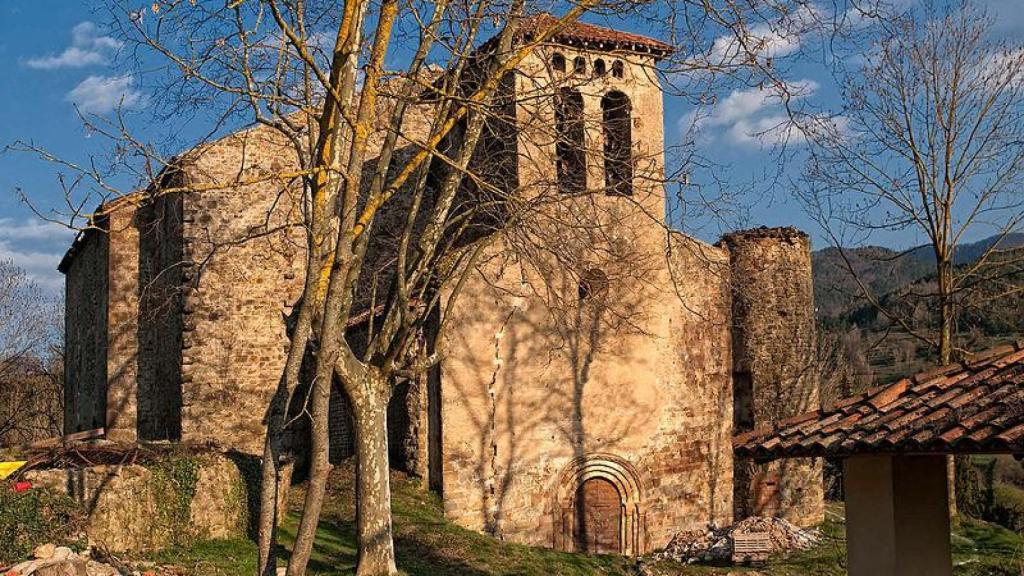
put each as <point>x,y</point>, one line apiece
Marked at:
<point>589,389</point>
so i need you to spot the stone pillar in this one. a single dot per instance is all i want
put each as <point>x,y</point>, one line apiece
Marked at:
<point>775,373</point>
<point>897,516</point>
<point>123,323</point>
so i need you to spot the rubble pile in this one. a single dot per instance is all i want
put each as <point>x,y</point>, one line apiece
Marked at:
<point>714,544</point>
<point>708,545</point>
<point>50,560</point>
<point>784,535</point>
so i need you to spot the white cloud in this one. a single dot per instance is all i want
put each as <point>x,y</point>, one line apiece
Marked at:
<point>102,94</point>
<point>1001,71</point>
<point>765,40</point>
<point>752,117</point>
<point>33,229</point>
<point>761,41</point>
<point>88,48</point>
<point>36,247</point>
<point>41,267</point>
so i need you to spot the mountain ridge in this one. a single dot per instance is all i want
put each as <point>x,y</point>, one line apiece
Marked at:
<point>884,270</point>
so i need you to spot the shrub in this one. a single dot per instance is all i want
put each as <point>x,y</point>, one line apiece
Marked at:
<point>35,517</point>
<point>1009,471</point>
<point>1008,507</point>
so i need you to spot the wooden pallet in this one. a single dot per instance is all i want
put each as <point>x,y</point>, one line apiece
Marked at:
<point>751,547</point>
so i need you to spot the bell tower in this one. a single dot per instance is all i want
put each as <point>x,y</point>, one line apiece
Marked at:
<point>591,116</point>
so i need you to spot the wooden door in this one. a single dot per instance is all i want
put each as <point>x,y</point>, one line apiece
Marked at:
<point>598,518</point>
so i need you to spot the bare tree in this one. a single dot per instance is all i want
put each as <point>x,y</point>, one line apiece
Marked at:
<point>930,141</point>
<point>31,391</point>
<point>384,222</point>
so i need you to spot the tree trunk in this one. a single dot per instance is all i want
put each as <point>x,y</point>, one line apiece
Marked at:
<point>951,486</point>
<point>274,485</point>
<point>267,521</point>
<point>373,489</point>
<point>319,468</point>
<point>946,312</point>
<point>284,484</point>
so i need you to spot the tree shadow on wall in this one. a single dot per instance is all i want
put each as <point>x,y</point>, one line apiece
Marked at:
<point>699,291</point>
<point>561,311</point>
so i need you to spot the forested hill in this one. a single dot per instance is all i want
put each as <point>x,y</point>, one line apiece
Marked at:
<point>884,271</point>
<point>878,351</point>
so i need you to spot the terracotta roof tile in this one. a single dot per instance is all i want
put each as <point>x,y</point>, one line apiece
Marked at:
<point>968,395</point>
<point>888,394</point>
<point>587,35</point>
<point>1013,434</point>
<point>971,406</point>
<point>579,32</point>
<point>799,419</point>
<point>847,402</point>
<point>937,373</point>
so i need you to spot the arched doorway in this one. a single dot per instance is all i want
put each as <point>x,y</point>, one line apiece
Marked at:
<point>598,517</point>
<point>598,507</point>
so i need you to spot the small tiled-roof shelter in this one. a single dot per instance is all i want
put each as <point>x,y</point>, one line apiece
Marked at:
<point>893,440</point>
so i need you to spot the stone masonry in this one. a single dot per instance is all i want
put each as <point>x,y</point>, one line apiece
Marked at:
<point>596,364</point>
<point>102,322</point>
<point>774,368</point>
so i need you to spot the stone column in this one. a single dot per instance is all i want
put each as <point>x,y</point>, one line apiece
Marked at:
<point>774,367</point>
<point>123,324</point>
<point>897,517</point>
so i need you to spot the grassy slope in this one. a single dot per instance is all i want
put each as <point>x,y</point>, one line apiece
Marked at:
<point>428,545</point>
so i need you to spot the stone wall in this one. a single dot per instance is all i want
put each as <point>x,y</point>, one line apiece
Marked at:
<point>144,508</point>
<point>160,320</point>
<point>535,88</point>
<point>122,321</point>
<point>85,332</point>
<point>244,265</point>
<point>534,397</point>
<point>775,370</point>
<point>101,322</point>
<point>405,419</point>
<point>340,428</point>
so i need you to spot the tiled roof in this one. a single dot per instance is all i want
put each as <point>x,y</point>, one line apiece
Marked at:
<point>971,406</point>
<point>581,33</point>
<point>587,35</point>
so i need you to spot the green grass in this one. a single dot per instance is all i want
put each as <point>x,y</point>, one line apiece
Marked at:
<point>986,548</point>
<point>427,544</point>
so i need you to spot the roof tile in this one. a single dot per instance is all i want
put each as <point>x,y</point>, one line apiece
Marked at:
<point>580,32</point>
<point>976,405</point>
<point>884,397</point>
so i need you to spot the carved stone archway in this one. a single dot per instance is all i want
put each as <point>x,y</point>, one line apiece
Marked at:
<point>626,481</point>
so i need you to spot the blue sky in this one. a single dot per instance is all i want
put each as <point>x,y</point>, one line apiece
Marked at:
<point>55,54</point>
